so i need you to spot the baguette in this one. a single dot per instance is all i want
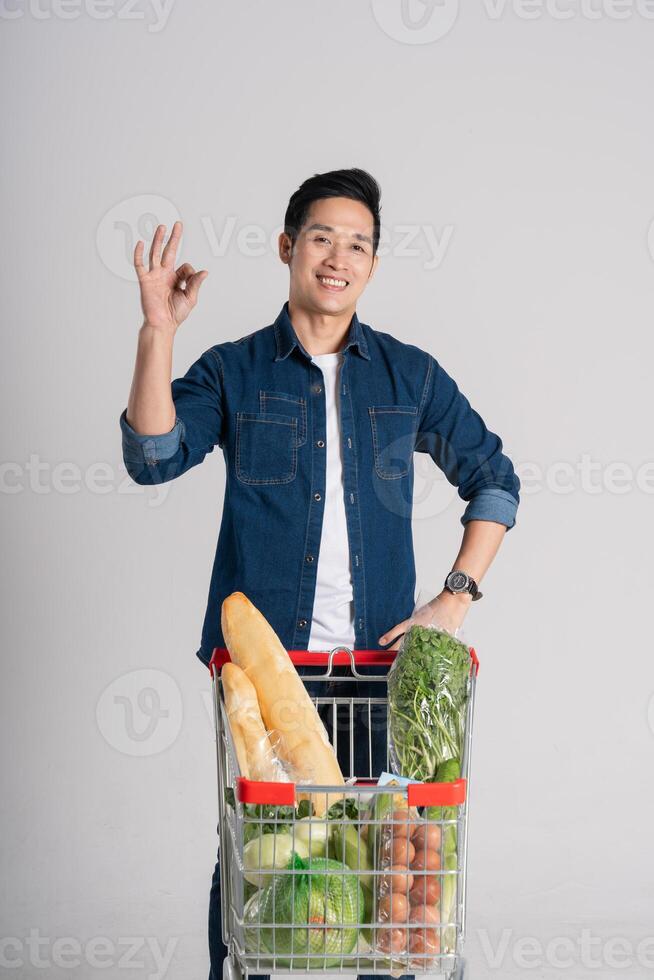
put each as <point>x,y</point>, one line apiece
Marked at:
<point>302,742</point>
<point>256,758</point>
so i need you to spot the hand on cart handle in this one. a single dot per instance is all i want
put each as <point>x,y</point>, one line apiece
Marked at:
<point>445,610</point>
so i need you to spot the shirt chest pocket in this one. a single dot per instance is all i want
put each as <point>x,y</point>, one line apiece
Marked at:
<point>393,439</point>
<point>267,441</point>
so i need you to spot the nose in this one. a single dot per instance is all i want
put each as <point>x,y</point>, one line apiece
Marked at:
<point>335,260</point>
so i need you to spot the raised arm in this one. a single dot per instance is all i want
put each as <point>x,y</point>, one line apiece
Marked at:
<point>169,427</point>
<point>167,297</point>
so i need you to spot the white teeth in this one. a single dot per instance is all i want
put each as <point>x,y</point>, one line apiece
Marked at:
<point>333,282</point>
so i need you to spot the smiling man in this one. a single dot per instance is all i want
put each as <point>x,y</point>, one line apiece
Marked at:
<point>318,416</point>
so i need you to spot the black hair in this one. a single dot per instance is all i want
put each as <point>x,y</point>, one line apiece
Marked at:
<point>356,184</point>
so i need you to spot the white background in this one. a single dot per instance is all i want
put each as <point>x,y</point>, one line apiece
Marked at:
<point>521,137</point>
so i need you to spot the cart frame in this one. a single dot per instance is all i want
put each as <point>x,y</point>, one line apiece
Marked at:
<point>234,792</point>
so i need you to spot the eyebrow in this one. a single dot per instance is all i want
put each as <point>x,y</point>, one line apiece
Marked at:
<point>356,234</point>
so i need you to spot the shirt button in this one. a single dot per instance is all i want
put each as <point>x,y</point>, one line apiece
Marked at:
<point>317,389</point>
<point>309,558</point>
<point>301,623</point>
<point>317,496</point>
<point>320,444</point>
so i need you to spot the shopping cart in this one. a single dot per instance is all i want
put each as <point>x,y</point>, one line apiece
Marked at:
<point>284,915</point>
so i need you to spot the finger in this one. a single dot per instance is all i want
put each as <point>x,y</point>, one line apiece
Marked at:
<point>193,285</point>
<point>138,259</point>
<point>184,272</point>
<point>155,248</point>
<point>392,633</point>
<point>169,253</point>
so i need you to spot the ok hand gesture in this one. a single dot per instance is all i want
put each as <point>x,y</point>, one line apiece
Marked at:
<point>167,294</point>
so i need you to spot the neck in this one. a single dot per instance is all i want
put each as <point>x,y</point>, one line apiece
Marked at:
<point>320,333</point>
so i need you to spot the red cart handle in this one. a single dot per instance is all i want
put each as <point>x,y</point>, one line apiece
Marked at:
<point>306,658</point>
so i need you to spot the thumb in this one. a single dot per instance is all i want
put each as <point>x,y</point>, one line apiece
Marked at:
<point>193,284</point>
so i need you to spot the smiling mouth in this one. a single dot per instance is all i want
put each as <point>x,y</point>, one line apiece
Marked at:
<point>332,282</point>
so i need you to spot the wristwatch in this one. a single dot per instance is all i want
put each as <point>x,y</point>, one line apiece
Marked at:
<point>457,582</point>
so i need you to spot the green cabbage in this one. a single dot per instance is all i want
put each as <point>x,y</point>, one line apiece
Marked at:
<point>309,914</point>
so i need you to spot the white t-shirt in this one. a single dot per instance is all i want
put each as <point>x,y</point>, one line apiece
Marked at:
<point>333,609</point>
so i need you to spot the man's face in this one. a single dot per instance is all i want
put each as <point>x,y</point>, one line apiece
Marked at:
<point>334,244</point>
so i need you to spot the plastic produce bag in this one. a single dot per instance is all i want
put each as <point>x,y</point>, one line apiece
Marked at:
<point>406,908</point>
<point>307,916</point>
<point>428,688</point>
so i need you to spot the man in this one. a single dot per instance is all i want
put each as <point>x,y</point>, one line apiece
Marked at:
<point>318,416</point>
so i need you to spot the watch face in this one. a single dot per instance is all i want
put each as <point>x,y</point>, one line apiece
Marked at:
<point>457,581</point>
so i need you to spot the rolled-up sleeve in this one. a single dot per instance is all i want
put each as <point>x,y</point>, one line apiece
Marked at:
<point>468,453</point>
<point>198,400</point>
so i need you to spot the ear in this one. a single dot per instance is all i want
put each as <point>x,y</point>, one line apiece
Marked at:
<point>373,267</point>
<point>285,247</point>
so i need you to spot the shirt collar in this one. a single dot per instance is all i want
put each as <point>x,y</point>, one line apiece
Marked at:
<point>287,338</point>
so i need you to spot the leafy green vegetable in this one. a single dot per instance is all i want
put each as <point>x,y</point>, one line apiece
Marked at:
<point>427,696</point>
<point>346,807</point>
<point>269,818</point>
<point>323,910</point>
<point>448,771</point>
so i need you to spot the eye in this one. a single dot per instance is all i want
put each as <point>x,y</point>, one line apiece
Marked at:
<point>360,247</point>
<point>321,238</point>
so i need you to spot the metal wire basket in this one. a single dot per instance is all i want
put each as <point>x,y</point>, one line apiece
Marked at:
<point>339,886</point>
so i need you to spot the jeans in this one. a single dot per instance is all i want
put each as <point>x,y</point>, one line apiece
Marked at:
<point>369,758</point>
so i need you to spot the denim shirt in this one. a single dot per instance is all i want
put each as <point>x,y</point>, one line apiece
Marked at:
<point>260,399</point>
